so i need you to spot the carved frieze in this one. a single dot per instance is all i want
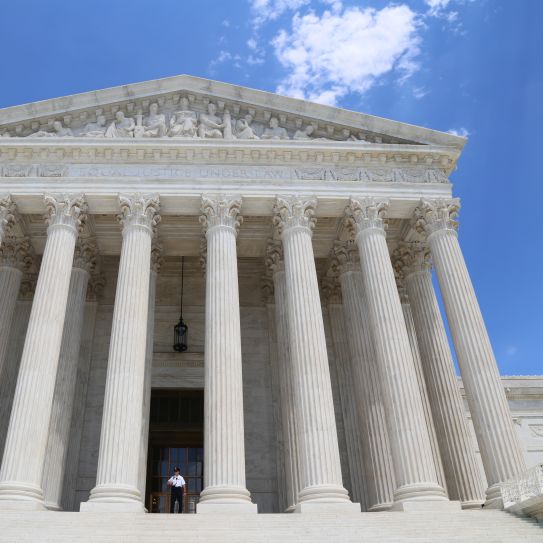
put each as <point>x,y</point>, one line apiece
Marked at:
<point>190,117</point>
<point>270,173</point>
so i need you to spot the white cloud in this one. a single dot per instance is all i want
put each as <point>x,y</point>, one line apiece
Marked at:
<point>420,92</point>
<point>346,50</point>
<point>511,350</point>
<point>269,10</point>
<point>436,6</point>
<point>462,132</point>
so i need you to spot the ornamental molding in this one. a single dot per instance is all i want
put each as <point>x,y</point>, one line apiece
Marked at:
<point>139,210</point>
<point>437,215</point>
<point>66,209</point>
<point>294,212</point>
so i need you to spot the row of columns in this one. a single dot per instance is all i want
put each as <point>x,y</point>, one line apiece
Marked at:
<point>390,389</point>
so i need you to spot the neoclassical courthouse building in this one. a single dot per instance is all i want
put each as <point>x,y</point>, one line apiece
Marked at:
<point>298,242</point>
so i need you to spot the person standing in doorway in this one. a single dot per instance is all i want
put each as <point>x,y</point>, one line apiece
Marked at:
<point>177,483</point>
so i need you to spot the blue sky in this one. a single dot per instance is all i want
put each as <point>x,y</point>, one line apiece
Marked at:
<point>469,66</point>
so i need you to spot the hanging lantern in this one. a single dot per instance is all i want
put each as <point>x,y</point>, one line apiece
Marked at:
<point>180,330</point>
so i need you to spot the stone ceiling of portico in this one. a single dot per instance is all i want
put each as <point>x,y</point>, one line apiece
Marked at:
<point>181,235</point>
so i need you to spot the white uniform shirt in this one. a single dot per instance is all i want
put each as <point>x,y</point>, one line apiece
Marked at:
<point>176,480</point>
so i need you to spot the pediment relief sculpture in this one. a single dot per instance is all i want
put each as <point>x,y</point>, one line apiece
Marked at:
<point>183,122</point>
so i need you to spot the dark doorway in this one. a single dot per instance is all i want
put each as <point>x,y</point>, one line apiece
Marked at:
<point>176,438</point>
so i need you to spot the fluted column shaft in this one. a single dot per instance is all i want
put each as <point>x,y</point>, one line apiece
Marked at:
<point>146,407</point>
<point>415,473</point>
<point>379,468</point>
<point>351,418</point>
<point>461,469</point>
<point>224,446</point>
<point>10,281</point>
<point>117,479</point>
<point>61,416</point>
<point>288,415</point>
<point>26,442</point>
<point>414,343</point>
<point>498,442</point>
<point>320,467</point>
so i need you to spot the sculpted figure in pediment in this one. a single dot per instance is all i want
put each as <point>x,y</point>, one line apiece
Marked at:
<point>121,127</point>
<point>305,133</point>
<point>95,130</point>
<point>183,123</point>
<point>244,130</point>
<point>211,125</point>
<point>154,126</point>
<point>59,131</point>
<point>274,131</point>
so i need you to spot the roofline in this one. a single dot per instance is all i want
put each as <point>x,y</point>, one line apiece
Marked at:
<point>227,91</point>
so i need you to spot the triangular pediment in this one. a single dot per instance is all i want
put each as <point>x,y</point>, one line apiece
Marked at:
<point>179,108</point>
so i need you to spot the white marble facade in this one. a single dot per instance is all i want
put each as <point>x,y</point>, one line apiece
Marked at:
<point>281,208</point>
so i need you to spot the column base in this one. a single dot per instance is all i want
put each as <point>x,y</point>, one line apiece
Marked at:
<point>493,497</point>
<point>17,496</point>
<point>475,504</point>
<point>420,491</point>
<point>415,506</point>
<point>50,506</point>
<point>338,508</point>
<point>380,507</point>
<point>114,498</point>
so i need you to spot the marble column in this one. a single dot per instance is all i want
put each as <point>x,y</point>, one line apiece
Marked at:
<point>366,384</point>
<point>274,261</point>
<point>498,442</point>
<point>7,215</point>
<point>414,344</point>
<point>117,478</point>
<point>319,461</point>
<point>224,446</point>
<point>415,472</point>
<point>63,400</point>
<point>349,407</point>
<point>461,469</point>
<point>269,301</point>
<point>15,259</point>
<point>156,263</point>
<point>26,442</point>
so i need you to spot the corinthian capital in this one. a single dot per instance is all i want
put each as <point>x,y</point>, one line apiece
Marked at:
<point>86,255</point>
<point>344,256</point>
<point>331,289</point>
<point>410,258</point>
<point>366,213</point>
<point>17,253</point>
<point>156,256</point>
<point>432,216</point>
<point>294,211</point>
<point>274,256</point>
<point>66,209</point>
<point>221,211</point>
<point>139,210</point>
<point>7,215</point>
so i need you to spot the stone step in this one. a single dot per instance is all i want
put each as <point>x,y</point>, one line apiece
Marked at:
<point>461,526</point>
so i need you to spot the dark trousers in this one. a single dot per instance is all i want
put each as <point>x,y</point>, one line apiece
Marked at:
<point>177,494</point>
